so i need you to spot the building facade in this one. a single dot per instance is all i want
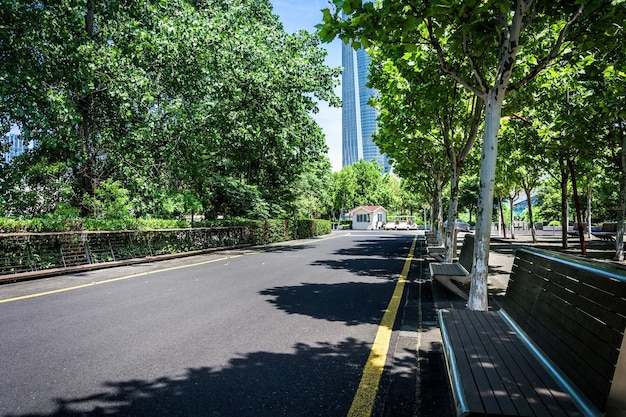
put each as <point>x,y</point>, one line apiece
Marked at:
<point>358,117</point>
<point>14,145</point>
<point>368,217</point>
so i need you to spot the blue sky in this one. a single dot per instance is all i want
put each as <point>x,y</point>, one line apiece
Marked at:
<point>305,14</point>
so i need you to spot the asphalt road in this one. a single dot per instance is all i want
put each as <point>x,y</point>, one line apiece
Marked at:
<point>284,332</point>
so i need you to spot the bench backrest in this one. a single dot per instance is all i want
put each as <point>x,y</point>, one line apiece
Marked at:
<point>575,311</point>
<point>609,227</point>
<point>467,252</point>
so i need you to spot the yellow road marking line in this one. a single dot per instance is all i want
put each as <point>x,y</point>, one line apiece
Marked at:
<point>363,402</point>
<point>91,284</point>
<point>141,274</point>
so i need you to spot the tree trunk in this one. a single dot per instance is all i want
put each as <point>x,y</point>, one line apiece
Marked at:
<point>480,268</point>
<point>452,213</point>
<point>502,222</point>
<point>511,207</point>
<point>439,211</point>
<point>564,205</point>
<point>619,238</point>
<point>581,228</point>
<point>436,210</point>
<point>589,190</point>
<point>531,220</point>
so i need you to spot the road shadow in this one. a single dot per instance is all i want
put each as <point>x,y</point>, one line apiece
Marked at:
<point>382,257</point>
<point>352,303</point>
<point>362,266</point>
<point>382,246</point>
<point>314,380</point>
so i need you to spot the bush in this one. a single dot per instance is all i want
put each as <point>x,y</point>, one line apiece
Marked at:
<point>264,231</point>
<point>322,227</point>
<point>8,225</point>
<point>554,223</point>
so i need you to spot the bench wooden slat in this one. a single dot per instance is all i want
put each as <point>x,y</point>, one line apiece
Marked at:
<point>557,347</point>
<point>529,279</point>
<point>574,319</point>
<point>599,281</point>
<point>570,308</point>
<point>542,383</point>
<point>565,356</point>
<point>521,377</point>
<point>489,362</point>
<point>448,269</point>
<point>578,320</point>
<point>435,249</point>
<point>484,376</point>
<point>469,387</point>
<point>462,267</point>
<point>504,376</point>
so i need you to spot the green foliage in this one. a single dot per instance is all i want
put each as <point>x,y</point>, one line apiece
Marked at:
<point>111,201</point>
<point>62,223</point>
<point>227,130</point>
<point>364,184</point>
<point>322,227</point>
<point>265,231</point>
<point>273,231</point>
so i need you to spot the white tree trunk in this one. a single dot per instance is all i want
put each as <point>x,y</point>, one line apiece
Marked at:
<point>480,269</point>
<point>589,212</point>
<point>511,207</point>
<point>452,213</point>
<point>437,214</point>
<point>619,238</point>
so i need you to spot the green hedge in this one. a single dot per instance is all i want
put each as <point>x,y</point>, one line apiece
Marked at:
<point>265,231</point>
<point>272,231</point>
<point>64,224</point>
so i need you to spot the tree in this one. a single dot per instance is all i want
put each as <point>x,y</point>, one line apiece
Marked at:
<point>417,100</point>
<point>480,46</point>
<point>314,191</point>
<point>102,88</point>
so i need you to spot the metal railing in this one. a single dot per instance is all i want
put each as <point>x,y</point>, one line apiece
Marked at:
<point>30,252</point>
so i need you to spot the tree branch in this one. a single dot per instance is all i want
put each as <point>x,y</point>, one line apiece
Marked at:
<point>446,67</point>
<point>554,52</point>
<point>522,118</point>
<point>477,112</point>
<point>473,65</point>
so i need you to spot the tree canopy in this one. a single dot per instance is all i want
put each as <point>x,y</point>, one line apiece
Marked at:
<point>204,102</point>
<point>491,48</point>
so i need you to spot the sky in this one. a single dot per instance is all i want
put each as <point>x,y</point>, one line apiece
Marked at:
<point>305,14</point>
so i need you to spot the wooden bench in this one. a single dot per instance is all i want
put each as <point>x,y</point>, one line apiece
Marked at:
<point>553,349</point>
<point>436,252</point>
<point>431,239</point>
<point>459,271</point>
<point>608,232</point>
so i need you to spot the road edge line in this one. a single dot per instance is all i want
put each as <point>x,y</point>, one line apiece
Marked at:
<point>365,396</point>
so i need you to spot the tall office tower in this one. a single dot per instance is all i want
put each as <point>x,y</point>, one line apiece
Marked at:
<point>16,146</point>
<point>358,117</point>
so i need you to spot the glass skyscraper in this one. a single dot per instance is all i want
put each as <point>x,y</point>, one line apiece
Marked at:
<point>358,117</point>
<point>16,146</point>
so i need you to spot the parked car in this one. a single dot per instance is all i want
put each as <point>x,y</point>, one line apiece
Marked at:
<point>461,225</point>
<point>401,225</point>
